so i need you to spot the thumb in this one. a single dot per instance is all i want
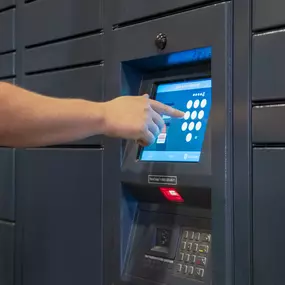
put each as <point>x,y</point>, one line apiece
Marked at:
<point>146,96</point>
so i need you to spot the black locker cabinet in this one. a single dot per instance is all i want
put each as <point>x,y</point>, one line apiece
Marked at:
<point>7,42</point>
<point>64,59</point>
<point>7,191</point>
<point>268,138</point>
<point>268,216</point>
<point>7,232</point>
<point>69,18</point>
<point>7,217</point>
<point>59,194</point>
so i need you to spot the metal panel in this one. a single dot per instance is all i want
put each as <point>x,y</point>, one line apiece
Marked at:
<point>78,51</point>
<point>85,83</point>
<point>138,42</point>
<point>242,146</point>
<point>127,10</point>
<point>268,124</point>
<point>54,19</point>
<point>7,3</point>
<point>7,31</point>
<point>7,65</point>
<point>268,14</point>
<point>6,253</point>
<point>12,80</point>
<point>7,194</point>
<point>59,203</point>
<point>268,213</point>
<point>267,66</point>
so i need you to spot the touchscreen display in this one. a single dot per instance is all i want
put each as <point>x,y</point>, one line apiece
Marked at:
<point>181,140</point>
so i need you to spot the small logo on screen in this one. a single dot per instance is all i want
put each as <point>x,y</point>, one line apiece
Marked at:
<point>160,179</point>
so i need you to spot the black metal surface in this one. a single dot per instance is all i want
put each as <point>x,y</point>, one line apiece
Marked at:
<point>7,65</point>
<point>69,18</point>
<point>4,4</point>
<point>268,209</point>
<point>83,82</point>
<point>7,191</point>
<point>128,10</point>
<point>7,31</point>
<point>59,55</point>
<point>267,66</point>
<point>267,124</point>
<point>242,142</point>
<point>7,231</point>
<point>59,218</point>
<point>268,14</point>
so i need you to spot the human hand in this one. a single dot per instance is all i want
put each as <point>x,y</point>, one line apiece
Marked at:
<point>136,117</point>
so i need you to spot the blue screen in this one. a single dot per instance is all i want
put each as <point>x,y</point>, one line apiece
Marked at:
<point>181,140</point>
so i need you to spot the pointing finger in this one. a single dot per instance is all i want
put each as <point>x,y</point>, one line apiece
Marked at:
<point>165,110</point>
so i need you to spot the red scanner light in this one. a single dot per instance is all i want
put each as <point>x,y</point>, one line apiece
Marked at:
<point>171,195</point>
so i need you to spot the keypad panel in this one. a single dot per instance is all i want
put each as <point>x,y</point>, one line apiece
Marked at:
<point>193,254</point>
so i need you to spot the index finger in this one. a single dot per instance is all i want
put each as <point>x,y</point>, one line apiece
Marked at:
<point>163,109</point>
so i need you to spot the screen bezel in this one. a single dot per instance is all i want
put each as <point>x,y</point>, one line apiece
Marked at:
<point>153,93</point>
<point>134,171</point>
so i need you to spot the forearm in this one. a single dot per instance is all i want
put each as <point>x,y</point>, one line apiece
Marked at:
<point>29,120</point>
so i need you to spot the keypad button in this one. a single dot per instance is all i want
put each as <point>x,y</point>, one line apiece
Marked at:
<point>199,272</point>
<point>206,237</point>
<point>185,234</point>
<point>201,260</point>
<point>192,259</point>
<point>190,270</point>
<point>183,245</point>
<point>191,235</point>
<point>179,267</point>
<point>187,257</point>
<point>195,247</point>
<point>189,246</point>
<point>185,269</point>
<point>203,249</point>
<point>197,236</point>
<point>181,256</point>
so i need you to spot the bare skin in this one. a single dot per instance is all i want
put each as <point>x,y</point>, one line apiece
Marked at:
<point>28,119</point>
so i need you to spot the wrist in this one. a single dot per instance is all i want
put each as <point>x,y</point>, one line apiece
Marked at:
<point>104,115</point>
<point>99,118</point>
<point>94,116</point>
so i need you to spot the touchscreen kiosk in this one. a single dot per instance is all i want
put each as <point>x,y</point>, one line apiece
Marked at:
<point>181,140</point>
<point>171,235</point>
